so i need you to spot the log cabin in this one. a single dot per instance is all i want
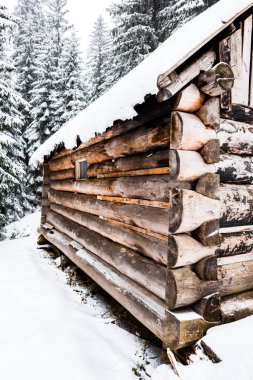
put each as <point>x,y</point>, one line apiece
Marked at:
<point>149,190</point>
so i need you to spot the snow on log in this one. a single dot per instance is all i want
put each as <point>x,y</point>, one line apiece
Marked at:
<point>236,137</point>
<point>236,205</point>
<point>235,169</point>
<point>236,240</point>
<point>236,306</point>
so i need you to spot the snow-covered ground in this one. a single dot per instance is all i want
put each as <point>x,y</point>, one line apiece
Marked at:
<point>47,333</point>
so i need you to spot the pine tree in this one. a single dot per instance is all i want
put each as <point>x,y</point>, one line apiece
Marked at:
<point>174,13</point>
<point>28,39</point>
<point>74,97</point>
<point>98,59</point>
<point>12,169</point>
<point>134,36</point>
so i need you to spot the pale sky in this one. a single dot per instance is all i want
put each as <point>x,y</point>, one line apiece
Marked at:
<point>83,14</point>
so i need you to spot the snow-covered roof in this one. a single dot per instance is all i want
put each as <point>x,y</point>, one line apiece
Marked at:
<point>118,102</point>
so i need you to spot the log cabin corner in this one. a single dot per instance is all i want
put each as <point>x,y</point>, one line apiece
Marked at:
<point>156,207</point>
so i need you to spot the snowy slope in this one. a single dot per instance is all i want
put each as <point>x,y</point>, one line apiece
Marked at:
<point>46,332</point>
<point>118,102</point>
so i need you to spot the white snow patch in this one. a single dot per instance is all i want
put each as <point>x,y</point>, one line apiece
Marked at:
<point>46,332</point>
<point>118,102</point>
<point>232,343</point>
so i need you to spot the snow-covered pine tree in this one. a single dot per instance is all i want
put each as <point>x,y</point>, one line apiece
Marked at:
<point>74,97</point>
<point>134,36</point>
<point>13,202</point>
<point>28,39</point>
<point>58,33</point>
<point>174,13</point>
<point>98,60</point>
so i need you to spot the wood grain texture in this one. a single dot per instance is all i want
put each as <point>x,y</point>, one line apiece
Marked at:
<point>149,160</point>
<point>190,99</point>
<point>149,246</point>
<point>153,188</point>
<point>133,215</point>
<point>145,272</point>
<point>189,210</point>
<point>188,132</point>
<point>236,306</point>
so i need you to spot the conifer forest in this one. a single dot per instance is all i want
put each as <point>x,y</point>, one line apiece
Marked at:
<point>45,79</point>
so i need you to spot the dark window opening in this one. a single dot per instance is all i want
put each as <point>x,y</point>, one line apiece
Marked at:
<point>82,169</point>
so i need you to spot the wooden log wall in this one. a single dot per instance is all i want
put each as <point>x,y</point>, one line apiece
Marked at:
<point>167,203</point>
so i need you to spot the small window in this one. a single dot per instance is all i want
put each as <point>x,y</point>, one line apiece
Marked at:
<point>81,169</point>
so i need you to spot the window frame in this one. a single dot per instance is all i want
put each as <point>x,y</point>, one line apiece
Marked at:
<point>77,169</point>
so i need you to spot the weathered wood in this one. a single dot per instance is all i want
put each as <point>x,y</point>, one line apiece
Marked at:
<point>209,113</point>
<point>143,202</point>
<point>188,132</point>
<point>235,273</point>
<point>147,245</point>
<point>237,306</point>
<point>235,241</point>
<point>209,185</point>
<point>206,269</point>
<point>184,327</point>
<point>225,56</point>
<point>236,137</point>
<point>208,233</point>
<point>237,63</point>
<point>184,250</point>
<point>236,205</point>
<point>189,210</point>
<point>189,100</point>
<point>128,262</point>
<point>246,59</point>
<point>235,169</point>
<point>134,173</point>
<point>138,229</point>
<point>188,165</point>
<point>140,140</point>
<point>134,162</point>
<point>238,112</point>
<point>172,82</point>
<point>154,188</point>
<point>139,216</point>
<point>141,303</point>
<point>209,307</point>
<point>211,151</point>
<point>62,174</point>
<point>217,80</point>
<point>185,288</point>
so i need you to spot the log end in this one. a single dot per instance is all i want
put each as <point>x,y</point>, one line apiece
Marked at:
<point>176,131</point>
